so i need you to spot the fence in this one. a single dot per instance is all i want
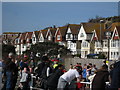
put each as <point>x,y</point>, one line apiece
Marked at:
<point>97,62</point>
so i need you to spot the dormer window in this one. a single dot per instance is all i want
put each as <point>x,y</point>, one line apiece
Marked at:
<point>75,36</point>
<point>81,35</point>
<point>105,43</point>
<point>33,38</point>
<point>58,37</point>
<point>84,44</point>
<point>69,35</point>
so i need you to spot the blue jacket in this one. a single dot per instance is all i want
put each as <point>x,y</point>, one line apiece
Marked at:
<point>84,73</point>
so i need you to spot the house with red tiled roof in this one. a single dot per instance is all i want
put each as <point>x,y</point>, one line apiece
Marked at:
<point>35,37</point>
<point>72,37</point>
<point>88,33</point>
<point>50,35</point>
<point>114,51</point>
<point>19,43</point>
<point>84,38</point>
<point>9,37</point>
<point>28,39</point>
<point>23,42</point>
<point>60,35</point>
<point>108,44</point>
<point>42,35</point>
<point>99,38</point>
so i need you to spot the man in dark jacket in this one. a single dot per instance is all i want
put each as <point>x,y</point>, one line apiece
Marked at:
<point>41,65</point>
<point>52,80</point>
<point>43,71</point>
<point>10,73</point>
<point>115,82</point>
<point>100,78</point>
<point>15,75</point>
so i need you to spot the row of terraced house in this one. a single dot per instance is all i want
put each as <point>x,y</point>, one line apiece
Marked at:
<point>83,38</point>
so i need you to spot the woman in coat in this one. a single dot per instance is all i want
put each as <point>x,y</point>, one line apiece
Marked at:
<point>100,78</point>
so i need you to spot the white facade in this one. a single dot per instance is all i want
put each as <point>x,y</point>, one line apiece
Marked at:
<point>98,47</point>
<point>85,48</point>
<point>41,38</point>
<point>82,34</point>
<point>114,46</point>
<point>49,35</point>
<point>34,39</point>
<point>70,44</point>
<point>18,45</point>
<point>72,47</point>
<point>23,48</point>
<point>85,45</point>
<point>69,35</point>
<point>114,49</point>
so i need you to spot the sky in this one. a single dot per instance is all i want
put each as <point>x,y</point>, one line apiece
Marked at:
<point>31,16</point>
<point>60,0</point>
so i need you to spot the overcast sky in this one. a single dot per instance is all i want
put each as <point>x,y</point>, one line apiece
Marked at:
<point>30,16</point>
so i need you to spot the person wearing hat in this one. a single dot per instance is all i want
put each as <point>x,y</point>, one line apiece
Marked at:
<point>44,70</point>
<point>41,65</point>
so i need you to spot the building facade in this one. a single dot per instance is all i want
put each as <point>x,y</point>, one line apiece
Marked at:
<point>83,38</point>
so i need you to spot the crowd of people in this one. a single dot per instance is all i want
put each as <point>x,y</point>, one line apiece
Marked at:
<point>51,75</point>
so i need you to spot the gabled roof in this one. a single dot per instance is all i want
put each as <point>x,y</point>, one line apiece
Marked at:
<point>104,35</point>
<point>114,25</point>
<point>22,36</point>
<point>14,38</point>
<point>53,30</point>
<point>89,36</point>
<point>44,32</point>
<point>90,27</point>
<point>11,32</point>
<point>36,33</point>
<point>29,35</point>
<point>74,28</point>
<point>10,37</point>
<point>63,30</point>
<point>118,29</point>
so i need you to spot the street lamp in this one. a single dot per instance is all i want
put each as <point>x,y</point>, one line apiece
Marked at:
<point>101,33</point>
<point>100,29</point>
<point>108,35</point>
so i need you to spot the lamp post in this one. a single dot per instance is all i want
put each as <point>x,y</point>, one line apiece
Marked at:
<point>108,35</point>
<point>101,34</point>
<point>100,29</point>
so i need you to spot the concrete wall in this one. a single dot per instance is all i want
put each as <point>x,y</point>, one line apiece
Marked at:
<point>98,62</point>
